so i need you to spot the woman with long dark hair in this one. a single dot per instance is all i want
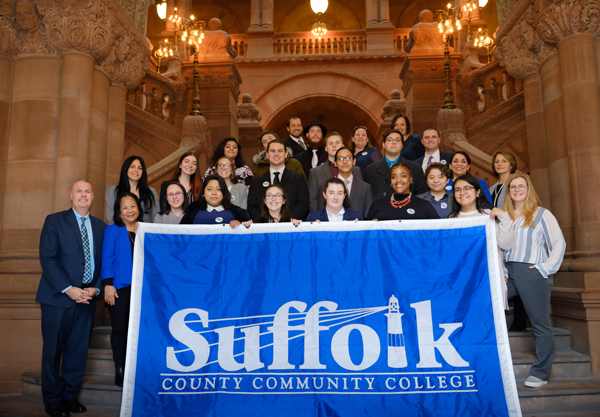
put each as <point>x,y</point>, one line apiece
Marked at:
<point>117,266</point>
<point>232,149</point>
<point>133,179</point>
<point>214,206</point>
<point>172,196</point>
<point>460,163</point>
<point>470,202</point>
<point>413,148</point>
<point>187,175</point>
<point>274,208</point>
<point>537,254</point>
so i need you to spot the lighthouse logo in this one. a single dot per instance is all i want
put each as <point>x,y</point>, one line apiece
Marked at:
<point>321,348</point>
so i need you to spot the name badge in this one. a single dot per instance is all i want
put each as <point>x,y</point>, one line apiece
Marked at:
<point>365,153</point>
<point>444,205</point>
<point>219,219</point>
<point>449,187</point>
<point>232,198</point>
<point>266,184</point>
<point>443,161</point>
<point>410,211</point>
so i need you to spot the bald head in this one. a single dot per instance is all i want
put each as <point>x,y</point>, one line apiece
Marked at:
<point>82,197</point>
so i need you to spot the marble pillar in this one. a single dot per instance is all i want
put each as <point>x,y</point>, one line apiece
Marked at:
<point>582,125</point>
<point>74,124</point>
<point>31,158</point>
<point>97,150</point>
<point>380,31</point>
<point>536,137</point>
<point>260,33</point>
<point>116,133</point>
<point>558,164</point>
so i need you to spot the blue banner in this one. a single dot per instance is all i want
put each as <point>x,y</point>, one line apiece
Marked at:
<point>338,319</point>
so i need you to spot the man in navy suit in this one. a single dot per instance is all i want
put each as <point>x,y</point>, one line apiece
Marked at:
<point>431,141</point>
<point>70,255</point>
<point>293,183</point>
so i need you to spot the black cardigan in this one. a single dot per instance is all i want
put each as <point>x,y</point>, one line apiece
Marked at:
<point>192,210</point>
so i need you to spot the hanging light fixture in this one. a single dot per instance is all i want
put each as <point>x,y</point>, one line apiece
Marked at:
<point>319,29</point>
<point>482,3</point>
<point>161,9</point>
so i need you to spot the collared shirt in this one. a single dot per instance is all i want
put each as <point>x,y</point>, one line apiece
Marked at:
<point>391,163</point>
<point>210,208</point>
<point>273,171</point>
<point>90,233</point>
<point>335,217</point>
<point>543,245</point>
<point>347,182</point>
<point>299,141</point>
<point>332,169</point>
<point>436,158</point>
<point>441,206</point>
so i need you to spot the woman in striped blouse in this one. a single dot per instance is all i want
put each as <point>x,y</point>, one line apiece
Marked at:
<point>537,254</point>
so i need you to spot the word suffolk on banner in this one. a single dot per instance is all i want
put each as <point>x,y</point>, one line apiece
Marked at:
<point>331,319</point>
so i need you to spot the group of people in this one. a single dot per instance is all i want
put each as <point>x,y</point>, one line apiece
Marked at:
<point>316,178</point>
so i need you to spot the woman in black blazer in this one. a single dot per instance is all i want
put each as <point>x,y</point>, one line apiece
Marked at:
<point>337,206</point>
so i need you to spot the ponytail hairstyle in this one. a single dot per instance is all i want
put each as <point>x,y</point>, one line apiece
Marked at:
<point>146,197</point>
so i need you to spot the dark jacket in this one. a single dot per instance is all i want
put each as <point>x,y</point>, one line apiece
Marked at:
<point>261,164</point>
<point>239,213</point>
<point>378,175</point>
<point>294,186</point>
<point>349,215</point>
<point>317,179</point>
<point>296,148</point>
<point>305,158</point>
<point>62,258</point>
<point>413,148</point>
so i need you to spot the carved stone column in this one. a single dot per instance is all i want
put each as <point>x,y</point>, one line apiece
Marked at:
<point>6,81</point>
<point>116,133</point>
<point>248,119</point>
<point>518,52</point>
<point>74,124</point>
<point>260,33</point>
<point>97,151</point>
<point>380,31</point>
<point>558,164</point>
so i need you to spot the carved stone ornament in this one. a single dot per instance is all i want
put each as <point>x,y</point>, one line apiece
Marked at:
<point>518,50</point>
<point>195,132</point>
<point>97,27</point>
<point>177,89</point>
<point>504,9</point>
<point>216,43</point>
<point>248,112</point>
<point>451,124</point>
<point>425,37</point>
<point>471,58</point>
<point>394,106</point>
<point>553,20</point>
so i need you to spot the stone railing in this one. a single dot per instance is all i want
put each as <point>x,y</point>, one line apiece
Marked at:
<point>239,42</point>
<point>335,42</point>
<point>401,38</point>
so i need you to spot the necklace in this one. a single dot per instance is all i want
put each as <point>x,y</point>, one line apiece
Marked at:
<point>129,234</point>
<point>399,204</point>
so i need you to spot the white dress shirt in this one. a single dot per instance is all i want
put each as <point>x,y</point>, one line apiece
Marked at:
<point>348,182</point>
<point>335,217</point>
<point>273,171</point>
<point>436,158</point>
<point>210,208</point>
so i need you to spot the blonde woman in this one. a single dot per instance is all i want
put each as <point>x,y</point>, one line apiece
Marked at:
<point>536,255</point>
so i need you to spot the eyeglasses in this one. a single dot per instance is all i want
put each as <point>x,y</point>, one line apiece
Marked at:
<point>171,195</point>
<point>273,196</point>
<point>515,187</point>
<point>344,158</point>
<point>394,141</point>
<point>224,165</point>
<point>465,189</point>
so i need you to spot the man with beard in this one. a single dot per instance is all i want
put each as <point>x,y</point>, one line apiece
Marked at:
<point>295,141</point>
<point>316,154</point>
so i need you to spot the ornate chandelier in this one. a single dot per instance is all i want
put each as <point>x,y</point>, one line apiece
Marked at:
<point>319,29</point>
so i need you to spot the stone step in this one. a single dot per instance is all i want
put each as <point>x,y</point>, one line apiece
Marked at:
<point>100,362</point>
<point>17,405</point>
<point>567,364</point>
<point>525,341</point>
<point>100,338</point>
<point>96,390</point>
<point>561,396</point>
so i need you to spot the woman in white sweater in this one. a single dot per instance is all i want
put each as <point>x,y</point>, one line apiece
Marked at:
<point>472,202</point>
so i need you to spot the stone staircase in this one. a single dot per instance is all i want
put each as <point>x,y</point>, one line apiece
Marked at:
<point>572,390</point>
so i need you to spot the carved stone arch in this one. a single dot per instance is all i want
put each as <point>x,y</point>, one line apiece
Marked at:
<point>232,23</point>
<point>356,100</point>
<point>338,16</point>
